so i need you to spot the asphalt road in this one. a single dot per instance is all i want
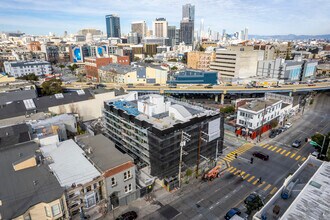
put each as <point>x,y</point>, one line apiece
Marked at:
<point>212,200</point>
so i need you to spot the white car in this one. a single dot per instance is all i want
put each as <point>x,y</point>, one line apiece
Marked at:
<point>288,125</point>
<point>315,154</point>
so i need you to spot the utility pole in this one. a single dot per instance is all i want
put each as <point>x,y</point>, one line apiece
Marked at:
<point>199,150</point>
<point>262,122</point>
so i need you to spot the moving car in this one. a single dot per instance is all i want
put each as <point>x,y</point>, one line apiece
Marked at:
<point>232,212</point>
<point>311,84</point>
<point>260,155</point>
<point>315,154</point>
<point>89,83</point>
<point>172,86</point>
<point>208,86</point>
<point>273,133</point>
<point>131,215</point>
<point>296,144</point>
<point>156,84</point>
<point>248,86</point>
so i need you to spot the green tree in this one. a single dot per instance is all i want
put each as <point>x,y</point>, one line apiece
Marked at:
<point>30,77</point>
<point>172,60</point>
<point>255,205</point>
<point>274,123</point>
<point>51,87</point>
<point>227,109</point>
<point>189,172</point>
<point>174,68</point>
<point>136,59</point>
<point>73,67</point>
<point>61,66</point>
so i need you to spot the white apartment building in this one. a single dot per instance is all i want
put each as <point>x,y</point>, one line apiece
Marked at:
<point>237,61</point>
<point>257,113</point>
<point>23,68</point>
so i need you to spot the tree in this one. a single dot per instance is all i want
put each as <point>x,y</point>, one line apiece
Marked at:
<point>202,49</point>
<point>73,67</point>
<point>172,60</point>
<point>30,77</point>
<point>51,87</point>
<point>136,59</point>
<point>227,109</point>
<point>274,123</point>
<point>256,204</point>
<point>61,66</point>
<point>174,68</point>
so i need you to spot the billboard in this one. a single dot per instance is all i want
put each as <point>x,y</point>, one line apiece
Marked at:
<point>214,129</point>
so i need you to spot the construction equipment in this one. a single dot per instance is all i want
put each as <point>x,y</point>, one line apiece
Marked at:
<point>211,174</point>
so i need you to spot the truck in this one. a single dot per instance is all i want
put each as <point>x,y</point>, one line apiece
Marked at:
<point>211,174</point>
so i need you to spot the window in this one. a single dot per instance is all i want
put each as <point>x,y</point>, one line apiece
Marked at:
<point>56,210</point>
<point>47,212</point>
<point>91,201</point>
<point>113,181</point>
<point>127,175</point>
<point>128,188</point>
<point>88,188</point>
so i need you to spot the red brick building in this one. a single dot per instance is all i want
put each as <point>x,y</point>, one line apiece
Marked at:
<point>93,63</point>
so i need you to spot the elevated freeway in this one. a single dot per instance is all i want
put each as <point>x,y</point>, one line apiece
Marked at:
<point>201,89</point>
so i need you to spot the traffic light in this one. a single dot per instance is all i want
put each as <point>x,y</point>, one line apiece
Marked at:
<point>306,140</point>
<point>251,160</point>
<point>236,155</point>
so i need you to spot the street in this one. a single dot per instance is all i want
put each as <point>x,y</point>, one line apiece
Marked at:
<point>211,200</point>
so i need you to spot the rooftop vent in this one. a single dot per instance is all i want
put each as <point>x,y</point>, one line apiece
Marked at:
<point>59,96</point>
<point>81,92</point>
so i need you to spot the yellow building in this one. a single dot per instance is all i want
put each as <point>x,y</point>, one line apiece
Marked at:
<point>28,188</point>
<point>207,44</point>
<point>5,79</point>
<point>200,60</point>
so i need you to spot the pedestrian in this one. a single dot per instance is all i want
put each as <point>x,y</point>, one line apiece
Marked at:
<point>259,179</point>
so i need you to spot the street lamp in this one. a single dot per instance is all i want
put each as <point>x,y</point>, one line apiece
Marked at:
<point>184,138</point>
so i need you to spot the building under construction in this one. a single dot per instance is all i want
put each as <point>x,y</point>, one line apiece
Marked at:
<point>149,128</point>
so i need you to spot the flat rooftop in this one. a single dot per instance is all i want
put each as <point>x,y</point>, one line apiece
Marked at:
<point>313,202</point>
<point>69,164</point>
<point>103,152</point>
<point>258,105</point>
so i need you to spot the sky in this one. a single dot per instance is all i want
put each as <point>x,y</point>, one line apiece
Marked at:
<point>263,17</point>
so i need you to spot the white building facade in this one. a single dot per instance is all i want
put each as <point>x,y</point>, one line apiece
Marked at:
<point>18,69</point>
<point>257,113</point>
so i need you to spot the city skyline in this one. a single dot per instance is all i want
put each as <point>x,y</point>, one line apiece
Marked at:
<point>275,17</point>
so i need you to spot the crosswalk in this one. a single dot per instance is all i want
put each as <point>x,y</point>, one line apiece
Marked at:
<point>231,156</point>
<point>266,187</point>
<point>284,152</point>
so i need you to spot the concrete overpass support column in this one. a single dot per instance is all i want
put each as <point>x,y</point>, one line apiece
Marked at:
<point>216,98</point>
<point>222,99</point>
<point>290,94</point>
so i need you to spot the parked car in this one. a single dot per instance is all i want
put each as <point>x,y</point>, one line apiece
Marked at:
<point>131,215</point>
<point>101,85</point>
<point>260,155</point>
<point>288,125</point>
<point>232,212</point>
<point>89,83</point>
<point>273,133</point>
<point>253,197</point>
<point>296,144</point>
<point>315,154</point>
<point>229,84</point>
<point>259,86</point>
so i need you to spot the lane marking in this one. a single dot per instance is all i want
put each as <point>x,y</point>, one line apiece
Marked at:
<point>273,191</point>
<point>265,146</point>
<point>246,176</point>
<point>303,159</point>
<point>237,172</point>
<point>274,148</point>
<point>261,184</point>
<point>279,150</point>
<point>287,154</point>
<point>271,146</point>
<point>283,151</point>
<point>292,155</point>
<point>267,187</point>
<point>255,182</point>
<point>232,170</point>
<point>251,178</point>
<point>297,158</point>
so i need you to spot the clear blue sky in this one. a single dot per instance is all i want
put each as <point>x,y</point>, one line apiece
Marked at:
<point>260,16</point>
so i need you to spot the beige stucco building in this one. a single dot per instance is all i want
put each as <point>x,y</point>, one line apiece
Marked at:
<point>200,60</point>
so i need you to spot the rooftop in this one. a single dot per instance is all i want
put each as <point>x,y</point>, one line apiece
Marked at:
<point>24,63</point>
<point>118,68</point>
<point>7,97</point>
<point>69,163</point>
<point>308,193</point>
<point>258,105</point>
<point>14,134</point>
<point>24,188</point>
<point>103,152</point>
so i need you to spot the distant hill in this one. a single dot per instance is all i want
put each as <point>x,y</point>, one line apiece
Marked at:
<point>290,37</point>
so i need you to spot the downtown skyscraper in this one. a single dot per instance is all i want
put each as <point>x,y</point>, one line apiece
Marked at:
<point>187,24</point>
<point>112,25</point>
